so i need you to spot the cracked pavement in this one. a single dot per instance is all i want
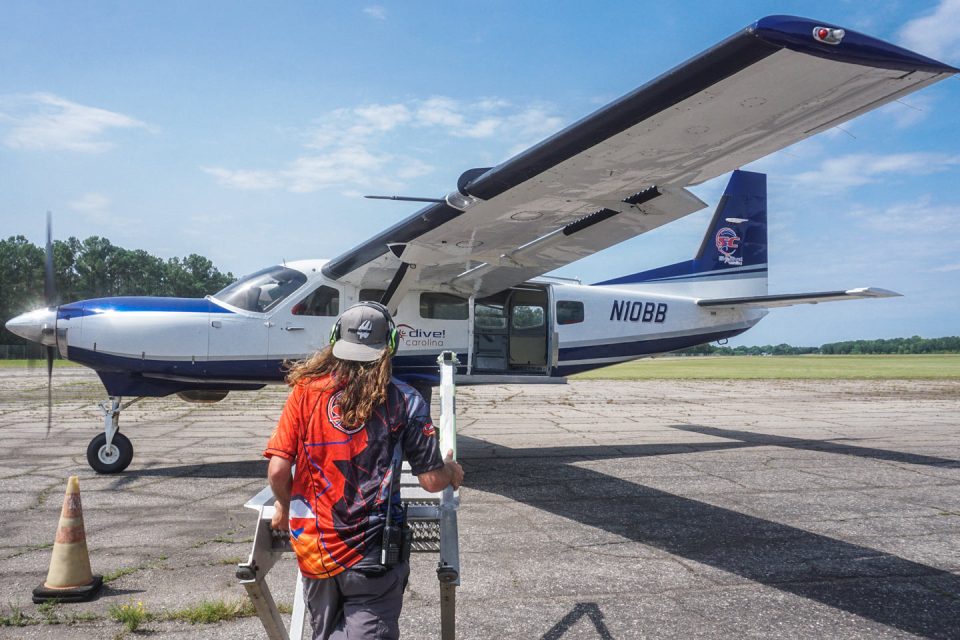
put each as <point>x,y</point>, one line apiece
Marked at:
<point>649,509</point>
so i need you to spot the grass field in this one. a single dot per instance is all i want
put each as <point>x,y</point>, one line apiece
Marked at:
<point>905,367</point>
<point>814,367</point>
<point>23,364</point>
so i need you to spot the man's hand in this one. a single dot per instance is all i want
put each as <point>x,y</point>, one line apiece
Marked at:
<point>281,517</point>
<point>450,474</point>
<point>278,473</point>
<point>454,469</point>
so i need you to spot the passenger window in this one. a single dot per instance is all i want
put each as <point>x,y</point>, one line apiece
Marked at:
<point>325,301</point>
<point>443,306</point>
<point>569,312</point>
<point>372,295</point>
<point>489,316</point>
<point>527,317</point>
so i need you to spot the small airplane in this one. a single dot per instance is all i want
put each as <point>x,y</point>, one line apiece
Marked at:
<point>465,273</point>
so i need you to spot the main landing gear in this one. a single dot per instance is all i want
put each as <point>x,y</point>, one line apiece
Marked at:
<point>111,451</point>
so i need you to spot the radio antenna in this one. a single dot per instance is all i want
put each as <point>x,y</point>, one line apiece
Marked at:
<point>406,199</point>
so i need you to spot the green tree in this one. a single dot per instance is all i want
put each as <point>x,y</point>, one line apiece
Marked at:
<point>95,268</point>
<point>21,280</point>
<point>194,277</point>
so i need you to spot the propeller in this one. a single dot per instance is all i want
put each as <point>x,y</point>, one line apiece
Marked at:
<point>50,298</point>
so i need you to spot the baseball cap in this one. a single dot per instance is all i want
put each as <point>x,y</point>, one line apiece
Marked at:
<point>363,334</point>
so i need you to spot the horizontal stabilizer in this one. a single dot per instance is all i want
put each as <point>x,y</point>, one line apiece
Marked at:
<point>790,299</point>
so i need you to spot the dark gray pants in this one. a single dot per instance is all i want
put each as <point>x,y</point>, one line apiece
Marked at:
<point>354,605</point>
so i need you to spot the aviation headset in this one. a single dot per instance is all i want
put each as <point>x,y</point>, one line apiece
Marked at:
<point>393,336</point>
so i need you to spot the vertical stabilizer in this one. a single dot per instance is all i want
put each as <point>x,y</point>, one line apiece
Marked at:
<point>732,260</point>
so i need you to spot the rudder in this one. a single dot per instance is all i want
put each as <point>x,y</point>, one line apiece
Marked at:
<point>732,259</point>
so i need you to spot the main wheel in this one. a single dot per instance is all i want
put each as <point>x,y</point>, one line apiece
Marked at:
<point>110,459</point>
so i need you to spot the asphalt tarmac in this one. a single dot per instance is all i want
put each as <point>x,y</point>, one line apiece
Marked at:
<point>663,509</point>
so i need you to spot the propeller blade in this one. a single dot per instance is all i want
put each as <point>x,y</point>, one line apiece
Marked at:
<point>49,286</point>
<point>49,389</point>
<point>51,299</point>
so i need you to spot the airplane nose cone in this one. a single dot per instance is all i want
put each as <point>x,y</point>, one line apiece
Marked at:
<point>36,326</point>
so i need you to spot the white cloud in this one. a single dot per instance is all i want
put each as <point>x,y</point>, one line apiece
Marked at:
<point>376,11</point>
<point>413,168</point>
<point>481,129</point>
<point>384,117</point>
<point>535,121</point>
<point>854,170</point>
<point>244,179</point>
<point>920,219</point>
<point>355,126</point>
<point>937,34</point>
<point>347,165</point>
<point>947,268</point>
<point>355,166</point>
<point>355,148</point>
<point>89,202</point>
<point>96,208</point>
<point>46,122</point>
<point>445,112</point>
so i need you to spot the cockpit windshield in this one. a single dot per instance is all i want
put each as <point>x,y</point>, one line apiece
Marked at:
<point>263,290</point>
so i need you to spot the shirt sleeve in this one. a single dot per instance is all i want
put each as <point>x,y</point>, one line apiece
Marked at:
<point>285,439</point>
<point>420,443</point>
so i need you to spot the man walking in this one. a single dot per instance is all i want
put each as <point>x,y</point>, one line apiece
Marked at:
<point>344,426</point>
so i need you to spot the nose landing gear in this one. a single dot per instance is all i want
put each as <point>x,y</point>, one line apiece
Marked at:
<point>111,451</point>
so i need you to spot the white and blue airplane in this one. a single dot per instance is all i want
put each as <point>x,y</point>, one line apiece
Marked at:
<point>465,273</point>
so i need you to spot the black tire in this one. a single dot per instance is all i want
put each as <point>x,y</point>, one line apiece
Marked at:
<point>113,460</point>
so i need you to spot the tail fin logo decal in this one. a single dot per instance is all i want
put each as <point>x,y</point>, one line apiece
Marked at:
<point>727,242</point>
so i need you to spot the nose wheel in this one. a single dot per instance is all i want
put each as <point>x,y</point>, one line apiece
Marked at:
<point>109,458</point>
<point>111,451</point>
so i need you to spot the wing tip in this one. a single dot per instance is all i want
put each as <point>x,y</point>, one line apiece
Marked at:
<point>873,292</point>
<point>795,32</point>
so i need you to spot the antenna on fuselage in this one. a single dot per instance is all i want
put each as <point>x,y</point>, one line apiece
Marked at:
<point>406,199</point>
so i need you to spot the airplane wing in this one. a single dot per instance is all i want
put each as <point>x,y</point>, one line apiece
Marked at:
<point>622,170</point>
<point>790,299</point>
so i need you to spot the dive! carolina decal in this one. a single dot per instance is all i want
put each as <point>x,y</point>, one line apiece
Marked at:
<point>728,242</point>
<point>413,337</point>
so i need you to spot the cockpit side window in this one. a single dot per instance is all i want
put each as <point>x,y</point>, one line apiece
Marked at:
<point>371,295</point>
<point>325,301</point>
<point>263,290</point>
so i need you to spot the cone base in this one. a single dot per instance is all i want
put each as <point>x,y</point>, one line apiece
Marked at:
<point>72,594</point>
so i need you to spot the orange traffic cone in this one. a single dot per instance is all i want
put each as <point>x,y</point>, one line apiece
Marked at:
<point>69,578</point>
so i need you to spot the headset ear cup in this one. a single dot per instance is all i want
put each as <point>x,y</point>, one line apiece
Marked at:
<point>335,332</point>
<point>394,341</point>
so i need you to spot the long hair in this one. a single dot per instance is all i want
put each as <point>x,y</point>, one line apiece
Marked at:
<point>364,384</point>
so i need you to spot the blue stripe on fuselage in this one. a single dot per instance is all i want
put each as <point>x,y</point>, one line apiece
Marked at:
<point>635,349</point>
<point>124,304</point>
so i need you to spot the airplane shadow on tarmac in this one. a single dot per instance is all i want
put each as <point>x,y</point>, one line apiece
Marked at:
<point>228,469</point>
<point>875,585</point>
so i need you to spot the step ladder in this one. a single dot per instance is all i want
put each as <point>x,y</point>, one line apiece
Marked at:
<point>432,517</point>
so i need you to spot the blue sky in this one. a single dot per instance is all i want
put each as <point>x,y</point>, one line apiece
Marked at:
<point>246,132</point>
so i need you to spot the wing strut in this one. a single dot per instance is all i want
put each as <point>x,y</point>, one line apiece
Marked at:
<point>403,280</point>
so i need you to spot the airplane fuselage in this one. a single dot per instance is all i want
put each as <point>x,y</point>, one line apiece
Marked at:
<point>542,329</point>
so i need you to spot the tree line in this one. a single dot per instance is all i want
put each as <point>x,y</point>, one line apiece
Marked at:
<point>914,345</point>
<point>95,268</point>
